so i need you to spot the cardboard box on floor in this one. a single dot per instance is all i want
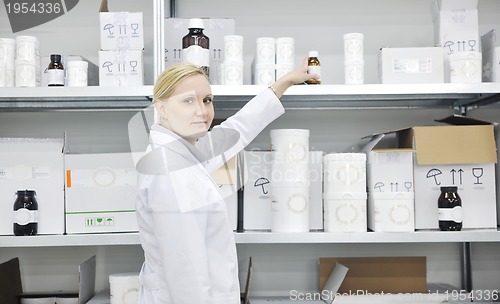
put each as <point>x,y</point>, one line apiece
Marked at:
<point>378,274</point>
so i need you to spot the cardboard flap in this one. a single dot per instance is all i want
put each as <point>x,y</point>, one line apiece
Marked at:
<point>452,5</point>
<point>488,40</point>
<point>459,120</point>
<point>455,145</point>
<point>103,8</point>
<point>379,274</point>
<point>10,282</point>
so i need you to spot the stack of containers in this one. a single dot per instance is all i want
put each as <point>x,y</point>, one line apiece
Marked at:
<point>353,58</point>
<point>27,61</point>
<point>290,180</point>
<point>345,197</point>
<point>7,62</point>
<point>285,54</point>
<point>264,65</point>
<point>232,67</point>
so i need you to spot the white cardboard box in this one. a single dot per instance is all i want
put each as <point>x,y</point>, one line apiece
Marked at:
<point>101,192</point>
<point>256,195</point>
<point>345,212</point>
<point>411,65</point>
<point>33,164</point>
<point>121,30</point>
<point>121,68</point>
<point>491,57</point>
<point>215,30</point>
<point>391,211</point>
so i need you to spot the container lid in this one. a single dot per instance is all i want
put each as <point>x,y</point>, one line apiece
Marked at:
<point>196,23</point>
<point>353,36</point>
<point>55,57</point>
<point>313,53</point>
<point>289,132</point>
<point>345,157</point>
<point>27,38</point>
<point>285,40</point>
<point>238,38</point>
<point>7,41</point>
<point>266,40</point>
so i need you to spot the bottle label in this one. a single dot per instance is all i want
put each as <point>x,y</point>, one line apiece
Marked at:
<point>450,214</point>
<point>314,69</point>
<point>24,216</point>
<point>195,54</point>
<point>55,77</point>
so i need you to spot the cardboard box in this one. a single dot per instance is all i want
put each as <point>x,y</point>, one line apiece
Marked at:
<point>374,275</point>
<point>101,192</point>
<point>257,198</point>
<point>462,153</point>
<point>226,178</point>
<point>491,57</point>
<point>34,164</point>
<point>121,31</point>
<point>392,211</point>
<point>121,68</point>
<point>411,65</point>
<point>215,30</point>
<point>345,212</point>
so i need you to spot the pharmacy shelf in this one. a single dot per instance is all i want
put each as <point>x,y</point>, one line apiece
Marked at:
<point>484,235</point>
<point>234,97</point>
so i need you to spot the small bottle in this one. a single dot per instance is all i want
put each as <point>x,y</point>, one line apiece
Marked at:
<point>55,71</point>
<point>314,67</point>
<point>450,209</point>
<point>26,213</point>
<point>196,45</point>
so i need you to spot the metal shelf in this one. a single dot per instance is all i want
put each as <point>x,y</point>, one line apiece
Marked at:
<point>108,239</point>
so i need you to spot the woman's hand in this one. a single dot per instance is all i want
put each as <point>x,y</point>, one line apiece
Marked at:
<point>297,76</point>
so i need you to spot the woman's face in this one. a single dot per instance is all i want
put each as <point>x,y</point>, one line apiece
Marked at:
<point>189,112</point>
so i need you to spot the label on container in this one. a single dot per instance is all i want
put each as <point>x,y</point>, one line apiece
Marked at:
<point>195,54</point>
<point>454,214</point>
<point>24,216</point>
<point>314,69</point>
<point>55,77</point>
<point>412,65</point>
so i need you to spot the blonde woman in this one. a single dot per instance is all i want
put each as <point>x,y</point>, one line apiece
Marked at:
<point>189,248</point>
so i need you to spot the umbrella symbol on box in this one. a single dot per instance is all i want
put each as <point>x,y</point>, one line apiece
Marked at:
<point>433,173</point>
<point>107,64</point>
<point>108,27</point>
<point>379,186</point>
<point>261,182</point>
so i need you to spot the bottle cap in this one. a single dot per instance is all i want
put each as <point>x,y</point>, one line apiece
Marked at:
<point>55,57</point>
<point>196,23</point>
<point>313,53</point>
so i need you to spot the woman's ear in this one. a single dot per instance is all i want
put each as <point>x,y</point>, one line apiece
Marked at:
<point>160,108</point>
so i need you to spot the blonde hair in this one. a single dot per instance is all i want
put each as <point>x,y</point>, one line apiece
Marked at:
<point>169,78</point>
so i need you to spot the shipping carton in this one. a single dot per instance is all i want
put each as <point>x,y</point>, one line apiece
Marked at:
<point>491,57</point>
<point>101,192</point>
<point>411,65</point>
<point>215,30</point>
<point>121,30</point>
<point>34,164</point>
<point>121,68</point>
<point>376,275</point>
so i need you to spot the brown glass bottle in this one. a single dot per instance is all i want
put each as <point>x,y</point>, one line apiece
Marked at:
<point>26,213</point>
<point>314,67</point>
<point>196,46</point>
<point>450,209</point>
<point>55,71</point>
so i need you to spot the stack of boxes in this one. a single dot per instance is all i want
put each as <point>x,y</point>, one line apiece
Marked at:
<point>274,58</point>
<point>122,47</point>
<point>345,192</point>
<point>7,62</point>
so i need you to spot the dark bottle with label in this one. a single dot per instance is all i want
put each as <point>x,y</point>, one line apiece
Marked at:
<point>314,67</point>
<point>26,213</point>
<point>196,46</point>
<point>450,209</point>
<point>55,71</point>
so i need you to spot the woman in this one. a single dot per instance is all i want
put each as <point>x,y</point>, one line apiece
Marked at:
<point>190,253</point>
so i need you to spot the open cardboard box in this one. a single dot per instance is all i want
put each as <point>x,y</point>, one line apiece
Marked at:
<point>11,290</point>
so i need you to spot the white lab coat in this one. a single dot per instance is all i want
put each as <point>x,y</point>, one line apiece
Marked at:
<point>190,253</point>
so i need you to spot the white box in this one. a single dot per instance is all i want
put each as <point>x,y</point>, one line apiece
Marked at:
<point>256,194</point>
<point>121,30</point>
<point>215,30</point>
<point>391,211</point>
<point>101,192</point>
<point>34,164</point>
<point>411,65</point>
<point>491,57</point>
<point>121,68</point>
<point>345,212</point>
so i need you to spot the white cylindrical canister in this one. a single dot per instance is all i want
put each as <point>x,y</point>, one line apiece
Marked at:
<point>8,52</point>
<point>233,48</point>
<point>344,172</point>
<point>27,48</point>
<point>232,72</point>
<point>345,212</point>
<point>465,67</point>
<point>290,155</point>
<point>10,77</point>
<point>124,288</point>
<point>285,50</point>
<point>3,74</point>
<point>283,68</point>
<point>266,50</point>
<point>353,47</point>
<point>76,73</point>
<point>354,72</point>
<point>290,207</point>
<point>264,74</point>
<point>25,73</point>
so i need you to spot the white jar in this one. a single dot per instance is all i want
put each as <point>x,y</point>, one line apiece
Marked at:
<point>26,48</point>
<point>77,73</point>
<point>8,52</point>
<point>232,72</point>
<point>465,67</point>
<point>353,47</point>
<point>233,48</point>
<point>285,50</point>
<point>266,50</point>
<point>25,73</point>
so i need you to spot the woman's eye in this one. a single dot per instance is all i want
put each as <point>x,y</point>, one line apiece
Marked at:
<point>207,100</point>
<point>189,100</point>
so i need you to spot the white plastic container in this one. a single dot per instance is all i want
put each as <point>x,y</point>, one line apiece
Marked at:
<point>344,172</point>
<point>290,207</point>
<point>27,48</point>
<point>353,47</point>
<point>391,211</point>
<point>232,72</point>
<point>285,50</point>
<point>290,155</point>
<point>233,48</point>
<point>77,73</point>
<point>345,212</point>
<point>10,77</point>
<point>124,288</point>
<point>264,74</point>
<point>283,68</point>
<point>354,72</point>
<point>3,74</point>
<point>26,73</point>
<point>266,50</point>
<point>465,67</point>
<point>8,52</point>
